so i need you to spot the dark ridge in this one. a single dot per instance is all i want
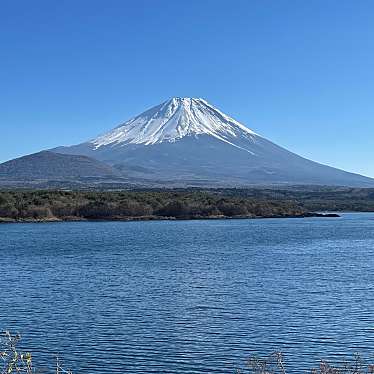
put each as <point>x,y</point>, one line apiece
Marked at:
<point>48,165</point>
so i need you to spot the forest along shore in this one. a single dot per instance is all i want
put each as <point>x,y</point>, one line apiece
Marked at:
<point>55,206</point>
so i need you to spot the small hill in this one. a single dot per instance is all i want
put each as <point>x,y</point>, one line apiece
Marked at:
<point>48,165</point>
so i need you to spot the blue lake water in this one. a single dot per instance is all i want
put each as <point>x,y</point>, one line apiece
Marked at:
<point>189,296</point>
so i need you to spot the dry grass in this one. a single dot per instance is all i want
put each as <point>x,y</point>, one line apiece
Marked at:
<point>13,361</point>
<point>274,364</point>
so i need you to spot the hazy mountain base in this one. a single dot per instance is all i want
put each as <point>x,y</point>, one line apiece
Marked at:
<point>204,161</point>
<point>31,206</point>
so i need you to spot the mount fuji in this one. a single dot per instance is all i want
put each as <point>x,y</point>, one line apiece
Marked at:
<point>189,141</point>
<point>181,142</point>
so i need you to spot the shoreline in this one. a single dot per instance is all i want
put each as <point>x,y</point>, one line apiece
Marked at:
<point>4,220</point>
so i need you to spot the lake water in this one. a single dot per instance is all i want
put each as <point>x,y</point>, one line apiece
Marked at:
<point>189,296</point>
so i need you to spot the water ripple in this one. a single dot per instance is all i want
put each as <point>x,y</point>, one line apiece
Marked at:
<point>192,296</point>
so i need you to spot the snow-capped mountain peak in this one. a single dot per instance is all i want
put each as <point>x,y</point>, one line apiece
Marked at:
<point>173,120</point>
<point>189,142</point>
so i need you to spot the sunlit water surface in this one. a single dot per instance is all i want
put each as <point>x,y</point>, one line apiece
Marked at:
<point>189,296</point>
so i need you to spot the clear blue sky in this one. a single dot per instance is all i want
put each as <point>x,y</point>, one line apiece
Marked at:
<point>300,73</point>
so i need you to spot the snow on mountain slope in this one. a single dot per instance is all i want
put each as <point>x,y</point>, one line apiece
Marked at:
<point>173,120</point>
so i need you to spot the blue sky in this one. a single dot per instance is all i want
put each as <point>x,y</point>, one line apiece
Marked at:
<point>297,72</point>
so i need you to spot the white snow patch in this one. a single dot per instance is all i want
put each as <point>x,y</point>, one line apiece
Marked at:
<point>173,120</point>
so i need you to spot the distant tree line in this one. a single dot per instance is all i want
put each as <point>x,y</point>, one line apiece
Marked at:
<point>312,198</point>
<point>43,205</point>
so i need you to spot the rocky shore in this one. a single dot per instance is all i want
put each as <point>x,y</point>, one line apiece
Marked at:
<point>158,218</point>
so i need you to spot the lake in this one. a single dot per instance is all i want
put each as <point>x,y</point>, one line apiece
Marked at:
<point>189,296</point>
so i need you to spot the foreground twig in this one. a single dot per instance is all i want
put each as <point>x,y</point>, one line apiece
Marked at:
<point>14,361</point>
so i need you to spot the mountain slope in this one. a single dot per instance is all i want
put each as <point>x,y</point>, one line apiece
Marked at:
<point>50,165</point>
<point>189,141</point>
